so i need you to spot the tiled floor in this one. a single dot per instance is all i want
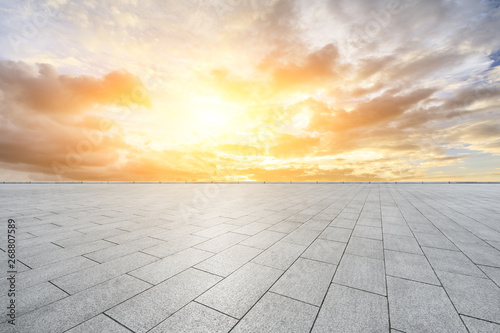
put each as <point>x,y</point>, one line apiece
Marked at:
<point>253,257</point>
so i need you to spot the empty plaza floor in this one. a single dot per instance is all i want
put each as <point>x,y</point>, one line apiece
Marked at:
<point>251,257</point>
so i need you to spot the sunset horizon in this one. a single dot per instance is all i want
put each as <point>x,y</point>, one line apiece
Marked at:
<point>249,90</point>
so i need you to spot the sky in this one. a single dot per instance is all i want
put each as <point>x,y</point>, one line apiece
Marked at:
<point>263,90</point>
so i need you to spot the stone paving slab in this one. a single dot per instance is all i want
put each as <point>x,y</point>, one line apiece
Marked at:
<point>146,310</point>
<point>100,323</point>
<point>409,266</point>
<point>276,313</point>
<point>420,307</point>
<point>350,310</point>
<point>278,257</point>
<point>236,294</point>
<point>306,280</point>
<point>195,317</point>
<point>361,273</point>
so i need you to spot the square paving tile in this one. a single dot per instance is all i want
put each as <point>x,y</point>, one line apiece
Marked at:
<point>336,234</point>
<point>195,317</point>
<point>451,261</point>
<point>409,266</point>
<point>473,296</point>
<point>350,310</point>
<point>401,244</point>
<point>276,313</point>
<point>281,255</point>
<point>227,261</point>
<point>365,247</point>
<point>237,293</point>
<point>325,250</point>
<point>361,273</point>
<point>306,280</point>
<point>421,307</point>
<point>148,309</point>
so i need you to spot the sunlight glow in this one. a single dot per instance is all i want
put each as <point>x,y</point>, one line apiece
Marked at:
<point>211,115</point>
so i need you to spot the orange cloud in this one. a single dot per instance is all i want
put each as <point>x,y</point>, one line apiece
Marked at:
<point>48,91</point>
<point>294,146</point>
<point>317,67</point>
<point>380,109</point>
<point>44,120</point>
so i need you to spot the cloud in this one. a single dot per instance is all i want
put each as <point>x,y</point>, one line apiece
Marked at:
<point>294,146</point>
<point>307,173</point>
<point>47,91</point>
<point>379,109</point>
<point>317,67</point>
<point>45,119</point>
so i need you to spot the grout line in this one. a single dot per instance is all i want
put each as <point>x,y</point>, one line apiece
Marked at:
<point>295,299</point>
<point>64,291</point>
<point>116,321</point>
<point>207,306</point>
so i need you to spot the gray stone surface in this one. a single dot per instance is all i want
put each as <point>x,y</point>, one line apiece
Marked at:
<point>70,311</point>
<point>480,326</point>
<point>302,236</point>
<point>401,244</point>
<point>420,307</point>
<point>148,309</point>
<point>276,313</point>
<point>123,249</point>
<point>367,232</point>
<point>252,228</point>
<point>61,254</point>
<point>473,296</point>
<point>86,278</point>
<point>263,239</point>
<point>281,255</point>
<point>237,293</point>
<point>140,234</point>
<point>222,242</point>
<point>493,273</point>
<point>49,272</point>
<point>435,240</point>
<point>163,269</point>
<point>349,310</point>
<point>215,231</point>
<point>306,280</point>
<point>397,229</point>
<point>227,261</point>
<point>336,234</point>
<point>325,250</point>
<point>409,266</point>
<point>196,318</point>
<point>100,323</point>
<point>365,247</point>
<point>167,248</point>
<point>343,223</point>
<point>361,273</point>
<point>32,298</point>
<point>285,226</point>
<point>451,261</point>
<point>253,257</point>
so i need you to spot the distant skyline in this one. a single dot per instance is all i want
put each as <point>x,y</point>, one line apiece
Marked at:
<point>397,90</point>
